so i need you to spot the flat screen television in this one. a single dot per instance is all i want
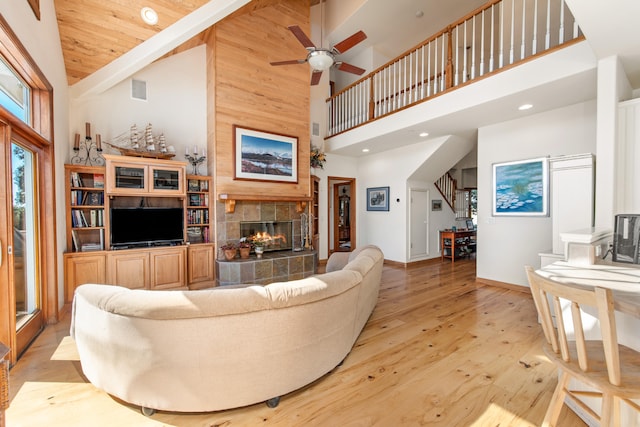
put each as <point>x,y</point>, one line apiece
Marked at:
<point>135,227</point>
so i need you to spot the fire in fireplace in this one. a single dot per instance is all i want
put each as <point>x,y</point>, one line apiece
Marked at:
<point>277,235</point>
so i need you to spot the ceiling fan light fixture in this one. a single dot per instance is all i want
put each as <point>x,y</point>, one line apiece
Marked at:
<point>320,60</point>
<point>149,15</point>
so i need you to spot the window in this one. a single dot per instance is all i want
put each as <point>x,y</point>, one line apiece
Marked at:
<point>14,93</point>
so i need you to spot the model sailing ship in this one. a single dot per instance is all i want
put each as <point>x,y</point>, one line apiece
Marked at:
<point>148,146</point>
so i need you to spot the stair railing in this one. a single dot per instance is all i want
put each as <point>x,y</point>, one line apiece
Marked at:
<point>490,39</point>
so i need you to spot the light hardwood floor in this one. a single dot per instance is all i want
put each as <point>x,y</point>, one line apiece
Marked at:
<point>439,349</point>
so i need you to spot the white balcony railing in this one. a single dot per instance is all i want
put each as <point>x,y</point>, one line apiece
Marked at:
<point>494,37</point>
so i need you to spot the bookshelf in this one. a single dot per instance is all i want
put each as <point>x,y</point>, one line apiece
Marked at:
<point>198,209</point>
<point>86,205</point>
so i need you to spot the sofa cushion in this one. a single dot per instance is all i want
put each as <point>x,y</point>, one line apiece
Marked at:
<point>321,286</point>
<point>175,304</point>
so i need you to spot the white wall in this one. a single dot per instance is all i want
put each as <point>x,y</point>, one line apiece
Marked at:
<point>507,244</point>
<point>176,105</point>
<point>42,41</point>
<point>392,168</point>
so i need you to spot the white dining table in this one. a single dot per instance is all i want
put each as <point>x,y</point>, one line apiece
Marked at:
<point>623,279</point>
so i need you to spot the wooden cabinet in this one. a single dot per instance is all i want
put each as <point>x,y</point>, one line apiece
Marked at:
<point>81,268</point>
<point>129,268</point>
<point>151,268</point>
<point>130,182</point>
<point>198,209</point>
<point>200,266</point>
<point>168,268</point>
<point>456,244</point>
<point>86,208</point>
<point>141,176</point>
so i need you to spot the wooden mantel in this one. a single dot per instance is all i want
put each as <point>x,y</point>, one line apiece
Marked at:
<point>230,200</point>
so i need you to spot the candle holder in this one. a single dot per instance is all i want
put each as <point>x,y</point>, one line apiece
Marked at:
<point>195,161</point>
<point>87,153</point>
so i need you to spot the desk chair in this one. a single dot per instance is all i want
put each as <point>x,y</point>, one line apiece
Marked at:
<point>612,369</point>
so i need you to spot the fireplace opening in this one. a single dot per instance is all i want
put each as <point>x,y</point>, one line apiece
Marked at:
<point>277,235</point>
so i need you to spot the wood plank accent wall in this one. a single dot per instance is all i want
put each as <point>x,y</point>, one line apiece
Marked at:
<point>244,89</point>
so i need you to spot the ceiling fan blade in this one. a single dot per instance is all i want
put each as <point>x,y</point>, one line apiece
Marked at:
<point>292,61</point>
<point>315,77</point>
<point>302,37</point>
<point>343,66</point>
<point>350,42</point>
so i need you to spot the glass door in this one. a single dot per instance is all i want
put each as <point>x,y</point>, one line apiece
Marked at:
<point>26,282</point>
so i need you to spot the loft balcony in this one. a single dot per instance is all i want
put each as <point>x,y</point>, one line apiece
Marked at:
<point>456,78</point>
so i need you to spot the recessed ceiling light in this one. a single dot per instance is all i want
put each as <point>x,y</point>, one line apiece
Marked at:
<point>419,14</point>
<point>424,134</point>
<point>149,15</point>
<point>365,150</point>
<point>525,107</point>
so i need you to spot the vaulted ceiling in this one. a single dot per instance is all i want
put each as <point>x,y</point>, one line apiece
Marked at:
<point>95,32</point>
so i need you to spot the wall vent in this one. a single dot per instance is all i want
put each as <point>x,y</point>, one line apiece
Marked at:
<point>139,89</point>
<point>315,130</point>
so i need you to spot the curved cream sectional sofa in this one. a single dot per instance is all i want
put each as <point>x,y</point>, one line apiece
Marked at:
<point>225,347</point>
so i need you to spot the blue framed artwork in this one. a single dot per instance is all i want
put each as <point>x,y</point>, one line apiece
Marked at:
<point>264,156</point>
<point>378,199</point>
<point>521,188</point>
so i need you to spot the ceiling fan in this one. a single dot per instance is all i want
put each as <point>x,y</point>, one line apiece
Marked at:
<point>322,59</point>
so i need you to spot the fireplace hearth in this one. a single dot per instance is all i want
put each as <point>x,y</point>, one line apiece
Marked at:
<point>276,235</point>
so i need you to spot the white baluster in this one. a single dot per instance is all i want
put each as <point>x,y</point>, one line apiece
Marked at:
<point>422,72</point>
<point>428,79</point>
<point>473,49</point>
<point>444,64</point>
<point>561,31</point>
<point>491,59</point>
<point>513,22</point>
<point>501,54</point>
<point>547,38</point>
<point>524,25</point>
<point>534,43</point>
<point>465,68</point>
<point>482,37</point>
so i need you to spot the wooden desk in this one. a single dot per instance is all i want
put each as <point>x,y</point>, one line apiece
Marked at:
<point>452,236</point>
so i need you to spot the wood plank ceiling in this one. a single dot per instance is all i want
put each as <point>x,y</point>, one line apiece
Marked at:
<point>95,32</point>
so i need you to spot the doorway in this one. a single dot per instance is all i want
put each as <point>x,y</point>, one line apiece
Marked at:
<point>419,224</point>
<point>23,264</point>
<point>342,213</point>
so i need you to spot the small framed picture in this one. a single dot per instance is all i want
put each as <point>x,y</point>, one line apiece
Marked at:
<point>470,224</point>
<point>436,205</point>
<point>378,199</point>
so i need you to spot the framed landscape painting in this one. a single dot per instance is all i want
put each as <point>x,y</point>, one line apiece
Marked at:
<point>378,199</point>
<point>264,156</point>
<point>521,188</point>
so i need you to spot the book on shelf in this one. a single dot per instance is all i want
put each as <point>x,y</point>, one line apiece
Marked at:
<point>76,181</point>
<point>194,185</point>
<point>74,237</point>
<point>98,180</point>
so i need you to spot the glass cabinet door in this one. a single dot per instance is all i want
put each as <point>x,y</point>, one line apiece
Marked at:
<point>129,177</point>
<point>167,180</point>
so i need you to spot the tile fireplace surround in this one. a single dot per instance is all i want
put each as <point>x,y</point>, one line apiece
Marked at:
<point>274,266</point>
<point>279,266</point>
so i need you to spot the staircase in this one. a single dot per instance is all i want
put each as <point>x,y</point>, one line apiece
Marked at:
<point>458,200</point>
